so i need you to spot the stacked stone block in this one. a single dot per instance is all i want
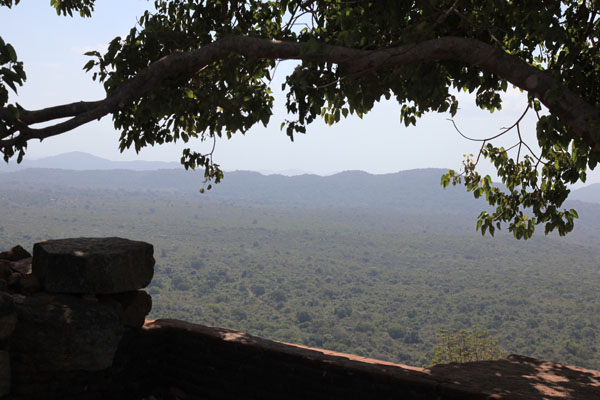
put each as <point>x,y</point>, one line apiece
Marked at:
<point>67,308</point>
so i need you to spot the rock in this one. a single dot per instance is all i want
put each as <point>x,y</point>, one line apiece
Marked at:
<point>18,298</point>
<point>5,269</point>
<point>3,285</point>
<point>29,284</point>
<point>8,316</point>
<point>131,307</point>
<point>13,280</point>
<point>93,265</point>
<point>89,297</point>
<point>4,373</point>
<point>15,254</point>
<point>57,332</point>
<point>23,266</point>
<point>177,393</point>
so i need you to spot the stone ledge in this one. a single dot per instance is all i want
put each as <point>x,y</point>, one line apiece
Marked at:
<point>170,359</point>
<point>260,368</point>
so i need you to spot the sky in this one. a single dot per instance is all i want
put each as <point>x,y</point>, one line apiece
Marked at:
<point>52,48</point>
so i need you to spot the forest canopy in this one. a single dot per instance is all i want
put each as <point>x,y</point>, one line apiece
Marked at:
<point>202,70</point>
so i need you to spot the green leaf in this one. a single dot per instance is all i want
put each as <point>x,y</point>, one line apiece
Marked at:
<point>189,93</point>
<point>12,54</point>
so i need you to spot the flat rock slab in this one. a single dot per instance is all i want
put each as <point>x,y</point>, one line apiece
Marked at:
<point>93,265</point>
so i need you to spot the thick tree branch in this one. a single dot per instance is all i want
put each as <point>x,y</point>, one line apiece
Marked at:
<point>51,113</point>
<point>581,117</point>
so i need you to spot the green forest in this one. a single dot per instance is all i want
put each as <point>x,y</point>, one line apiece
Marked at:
<point>377,281</point>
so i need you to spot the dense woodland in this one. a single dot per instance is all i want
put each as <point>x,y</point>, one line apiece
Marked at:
<point>287,259</point>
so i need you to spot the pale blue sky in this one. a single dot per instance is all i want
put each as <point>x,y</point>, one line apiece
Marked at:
<point>52,49</point>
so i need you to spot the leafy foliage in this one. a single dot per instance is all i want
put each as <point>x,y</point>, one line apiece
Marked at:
<point>12,75</point>
<point>237,94</point>
<point>66,7</point>
<point>232,94</point>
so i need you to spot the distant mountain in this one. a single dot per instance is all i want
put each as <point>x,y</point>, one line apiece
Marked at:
<point>416,190</point>
<point>360,183</point>
<point>590,193</point>
<point>411,190</point>
<point>80,161</point>
<point>286,172</point>
<point>415,194</point>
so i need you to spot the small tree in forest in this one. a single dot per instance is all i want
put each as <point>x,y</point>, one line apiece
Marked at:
<point>465,346</point>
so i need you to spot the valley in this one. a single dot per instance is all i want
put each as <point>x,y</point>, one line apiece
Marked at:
<point>349,269</point>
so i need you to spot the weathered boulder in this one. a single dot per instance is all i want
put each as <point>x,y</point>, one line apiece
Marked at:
<point>93,265</point>
<point>22,266</point>
<point>4,373</point>
<point>13,280</point>
<point>131,307</point>
<point>8,316</point>
<point>15,254</point>
<point>29,284</point>
<point>56,332</point>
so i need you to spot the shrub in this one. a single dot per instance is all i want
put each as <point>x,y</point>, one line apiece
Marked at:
<point>464,346</point>
<point>303,316</point>
<point>278,296</point>
<point>396,332</point>
<point>258,290</point>
<point>343,311</point>
<point>363,326</point>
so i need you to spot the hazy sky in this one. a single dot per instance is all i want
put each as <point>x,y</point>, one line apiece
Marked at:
<point>52,49</point>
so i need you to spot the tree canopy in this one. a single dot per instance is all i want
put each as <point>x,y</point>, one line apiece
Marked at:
<point>202,70</point>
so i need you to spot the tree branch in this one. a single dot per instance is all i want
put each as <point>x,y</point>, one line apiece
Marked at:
<point>581,117</point>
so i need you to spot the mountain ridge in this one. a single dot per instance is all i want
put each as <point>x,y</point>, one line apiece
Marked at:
<point>81,161</point>
<point>172,176</point>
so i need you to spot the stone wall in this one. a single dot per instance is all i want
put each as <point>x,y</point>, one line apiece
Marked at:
<point>65,311</point>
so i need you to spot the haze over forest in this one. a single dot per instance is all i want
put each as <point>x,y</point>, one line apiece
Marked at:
<point>374,265</point>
